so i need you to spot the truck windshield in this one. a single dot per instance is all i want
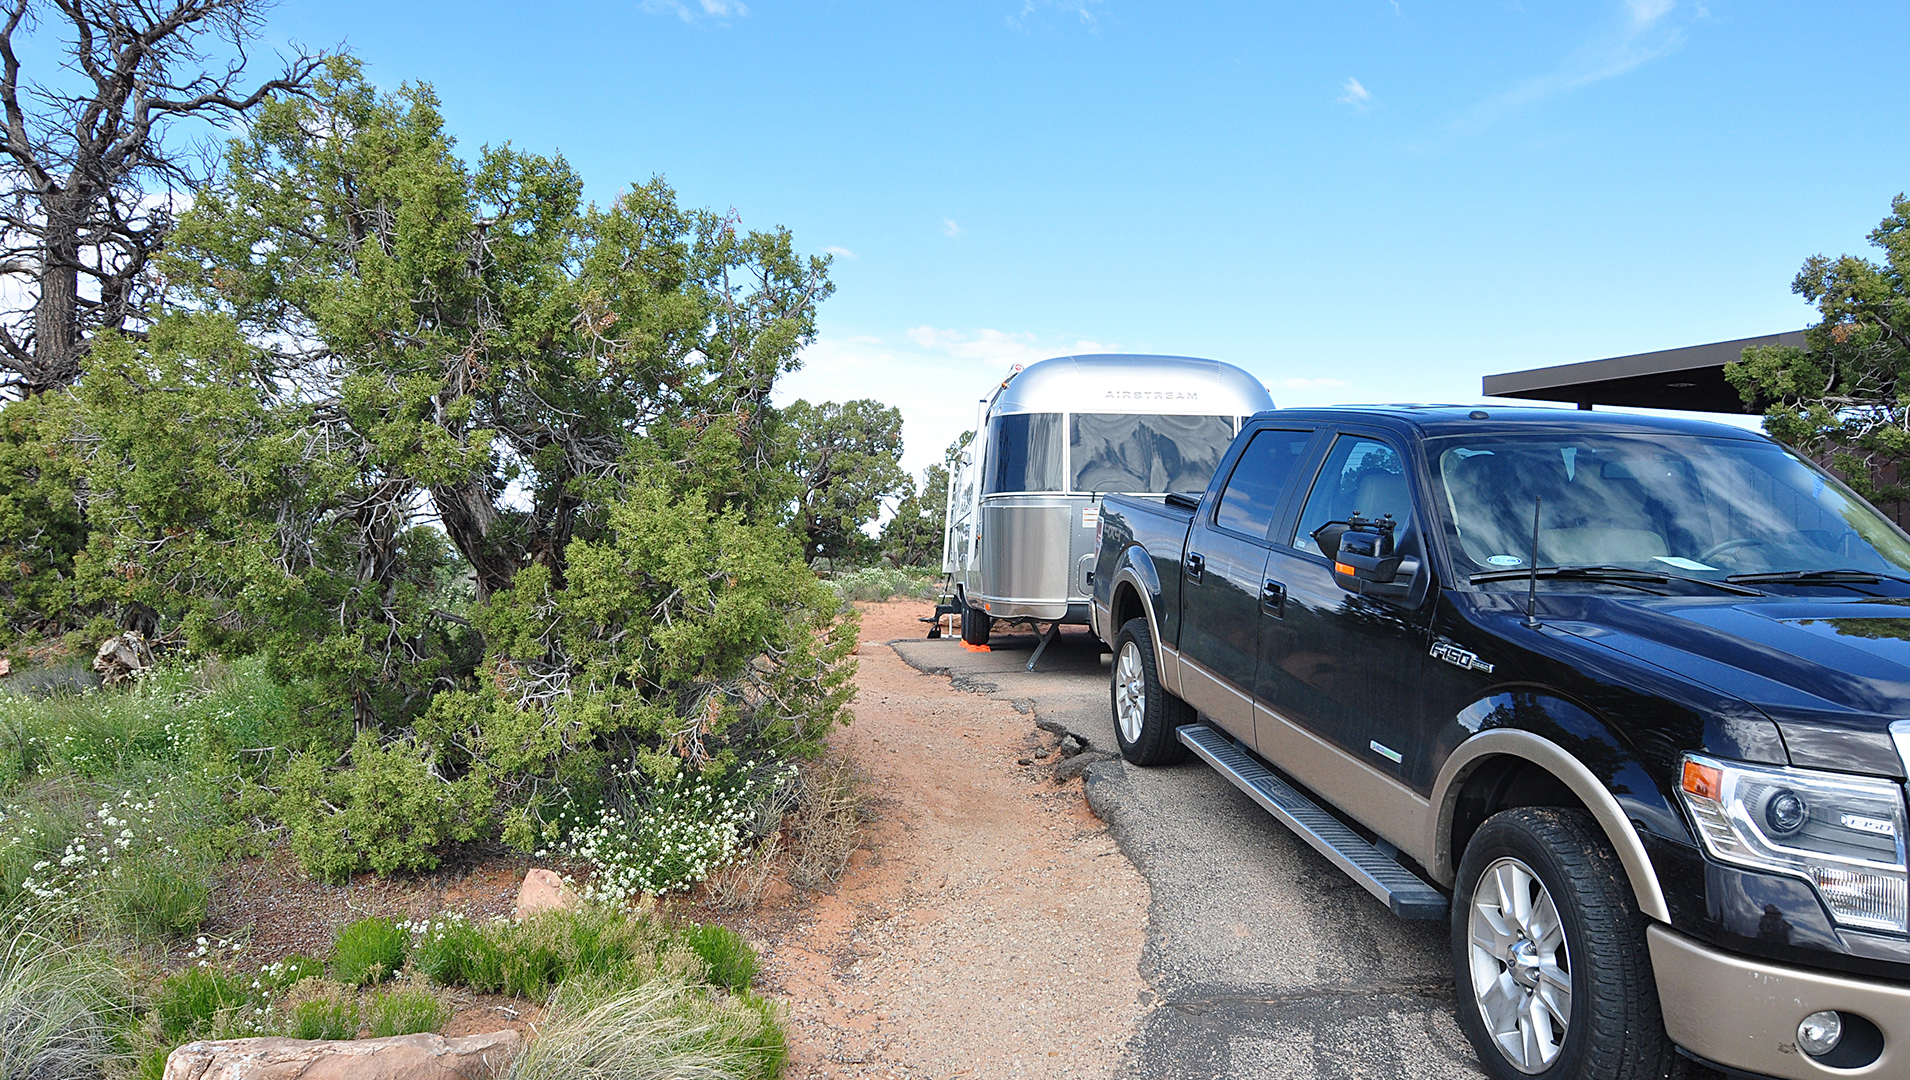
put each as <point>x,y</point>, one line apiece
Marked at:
<point>1672,504</point>
<point>1146,453</point>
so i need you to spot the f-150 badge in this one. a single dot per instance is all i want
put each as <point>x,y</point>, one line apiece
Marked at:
<point>1458,657</point>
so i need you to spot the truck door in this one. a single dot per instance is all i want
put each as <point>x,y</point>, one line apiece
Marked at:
<point>1345,668</point>
<point>1223,578</point>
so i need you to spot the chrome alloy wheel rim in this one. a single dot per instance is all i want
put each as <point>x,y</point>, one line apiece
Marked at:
<point>1521,965</point>
<point>1130,692</point>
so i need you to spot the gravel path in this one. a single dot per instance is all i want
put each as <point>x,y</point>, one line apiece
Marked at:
<point>990,928</point>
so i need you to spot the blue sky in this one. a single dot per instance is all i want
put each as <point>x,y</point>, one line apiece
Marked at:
<point>1355,200</point>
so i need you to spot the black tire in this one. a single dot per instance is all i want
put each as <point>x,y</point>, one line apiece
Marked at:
<point>1151,740</point>
<point>1614,1028</point>
<point>975,624</point>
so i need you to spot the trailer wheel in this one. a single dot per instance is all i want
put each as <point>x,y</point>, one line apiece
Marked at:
<point>1145,714</point>
<point>975,624</point>
<point>1549,954</point>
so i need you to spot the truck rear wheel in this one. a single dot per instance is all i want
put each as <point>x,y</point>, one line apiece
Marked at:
<point>1549,954</point>
<point>1145,714</point>
<point>975,624</point>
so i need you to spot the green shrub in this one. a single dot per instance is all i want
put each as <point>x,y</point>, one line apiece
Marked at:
<point>405,1012</point>
<point>320,1009</point>
<point>389,810</point>
<point>369,951</point>
<point>731,960</point>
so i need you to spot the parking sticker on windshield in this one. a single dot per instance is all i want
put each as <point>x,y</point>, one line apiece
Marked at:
<point>1683,563</point>
<point>1505,560</point>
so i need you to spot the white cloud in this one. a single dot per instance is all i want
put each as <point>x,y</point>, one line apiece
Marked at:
<point>1646,34</point>
<point>1646,12</point>
<point>1354,94</point>
<point>950,229</point>
<point>842,251</point>
<point>715,9</point>
<point>1081,9</point>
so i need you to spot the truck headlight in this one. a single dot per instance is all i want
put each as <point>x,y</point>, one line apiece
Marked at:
<point>1843,834</point>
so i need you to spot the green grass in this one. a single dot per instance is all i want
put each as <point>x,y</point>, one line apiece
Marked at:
<point>369,951</point>
<point>318,1009</point>
<point>884,583</point>
<point>660,1030</point>
<point>405,1012</point>
<point>731,960</point>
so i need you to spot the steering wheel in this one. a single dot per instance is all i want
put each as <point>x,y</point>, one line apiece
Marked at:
<point>1731,544</point>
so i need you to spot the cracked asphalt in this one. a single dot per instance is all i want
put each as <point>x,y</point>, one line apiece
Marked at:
<point>1261,958</point>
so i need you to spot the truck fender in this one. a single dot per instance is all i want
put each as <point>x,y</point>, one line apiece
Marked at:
<point>1568,770</point>
<point>1139,577</point>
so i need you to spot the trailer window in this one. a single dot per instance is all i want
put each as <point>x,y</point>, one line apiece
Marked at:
<point>1147,453</point>
<point>1024,451</point>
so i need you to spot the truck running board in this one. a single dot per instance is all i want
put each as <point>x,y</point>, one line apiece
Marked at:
<point>1406,893</point>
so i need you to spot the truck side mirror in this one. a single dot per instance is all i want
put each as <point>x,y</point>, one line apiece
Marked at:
<point>1363,551</point>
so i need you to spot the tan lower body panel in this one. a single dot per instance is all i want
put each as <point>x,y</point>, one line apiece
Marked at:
<point>1743,1012</point>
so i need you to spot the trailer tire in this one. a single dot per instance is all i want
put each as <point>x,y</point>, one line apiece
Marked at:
<point>1145,714</point>
<point>975,624</point>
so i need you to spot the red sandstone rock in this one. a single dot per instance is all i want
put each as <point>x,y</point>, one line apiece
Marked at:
<point>404,1057</point>
<point>542,890</point>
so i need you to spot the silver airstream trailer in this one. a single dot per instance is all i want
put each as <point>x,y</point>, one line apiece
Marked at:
<point>1025,495</point>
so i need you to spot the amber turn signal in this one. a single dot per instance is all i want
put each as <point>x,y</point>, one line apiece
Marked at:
<point>1704,781</point>
<point>1342,568</point>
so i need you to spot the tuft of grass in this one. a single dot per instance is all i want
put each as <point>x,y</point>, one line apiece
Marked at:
<point>159,897</point>
<point>660,1030</point>
<point>369,951</point>
<point>593,942</point>
<point>190,1002</point>
<point>61,1009</point>
<point>320,1009</point>
<point>405,1011</point>
<point>731,960</point>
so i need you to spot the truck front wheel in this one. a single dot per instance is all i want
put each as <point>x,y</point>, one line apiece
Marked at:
<point>1145,714</point>
<point>1549,954</point>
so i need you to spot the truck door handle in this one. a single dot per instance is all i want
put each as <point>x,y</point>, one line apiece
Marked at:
<point>1273,599</point>
<point>1196,563</point>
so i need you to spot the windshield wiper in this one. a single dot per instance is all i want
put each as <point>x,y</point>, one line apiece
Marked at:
<point>1815,577</point>
<point>1615,574</point>
<point>1586,573</point>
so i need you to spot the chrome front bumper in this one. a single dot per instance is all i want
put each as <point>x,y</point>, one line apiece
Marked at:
<point>1743,1012</point>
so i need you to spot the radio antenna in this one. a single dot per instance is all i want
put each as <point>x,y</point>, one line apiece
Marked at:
<point>1532,569</point>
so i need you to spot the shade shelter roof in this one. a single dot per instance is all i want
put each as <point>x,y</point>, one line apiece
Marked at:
<point>1690,378</point>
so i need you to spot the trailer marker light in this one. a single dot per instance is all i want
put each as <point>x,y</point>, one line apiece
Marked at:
<point>1704,781</point>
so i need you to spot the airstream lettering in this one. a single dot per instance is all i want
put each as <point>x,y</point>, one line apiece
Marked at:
<point>1024,497</point>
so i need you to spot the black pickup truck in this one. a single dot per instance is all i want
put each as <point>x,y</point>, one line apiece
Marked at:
<point>1625,699</point>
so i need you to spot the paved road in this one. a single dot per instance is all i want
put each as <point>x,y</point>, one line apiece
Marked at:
<point>1262,958</point>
